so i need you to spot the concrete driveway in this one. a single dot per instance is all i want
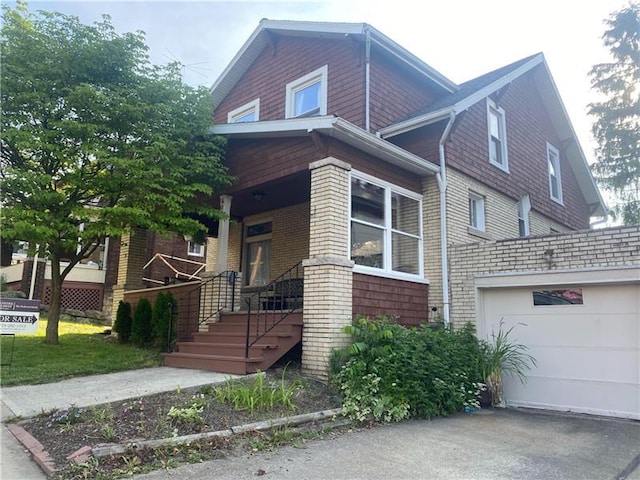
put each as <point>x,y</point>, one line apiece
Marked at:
<point>500,444</point>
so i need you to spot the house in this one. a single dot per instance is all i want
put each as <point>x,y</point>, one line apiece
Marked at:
<point>362,165</point>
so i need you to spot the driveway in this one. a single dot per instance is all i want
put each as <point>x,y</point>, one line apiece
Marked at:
<point>500,444</point>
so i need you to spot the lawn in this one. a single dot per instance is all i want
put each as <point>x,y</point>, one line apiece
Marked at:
<point>83,350</point>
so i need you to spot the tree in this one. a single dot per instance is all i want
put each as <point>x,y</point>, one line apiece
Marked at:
<point>617,116</point>
<point>96,140</point>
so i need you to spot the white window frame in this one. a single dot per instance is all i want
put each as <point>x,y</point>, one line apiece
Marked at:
<point>252,107</point>
<point>477,211</point>
<point>319,75</point>
<point>492,107</point>
<point>558,178</point>
<point>192,251</point>
<point>524,207</point>
<point>387,254</point>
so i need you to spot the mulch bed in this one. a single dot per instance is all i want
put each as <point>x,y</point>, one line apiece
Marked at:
<point>147,418</point>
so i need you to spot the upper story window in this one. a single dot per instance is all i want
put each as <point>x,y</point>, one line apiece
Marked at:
<point>246,113</point>
<point>524,206</point>
<point>497,136</point>
<point>195,249</point>
<point>307,96</point>
<point>555,183</point>
<point>386,228</point>
<point>476,211</point>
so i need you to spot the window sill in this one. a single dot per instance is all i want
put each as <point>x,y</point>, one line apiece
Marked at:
<point>479,233</point>
<point>374,272</point>
<point>500,166</point>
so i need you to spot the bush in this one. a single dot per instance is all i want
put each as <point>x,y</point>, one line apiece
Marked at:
<point>164,321</point>
<point>393,372</point>
<point>142,327</point>
<point>123,322</point>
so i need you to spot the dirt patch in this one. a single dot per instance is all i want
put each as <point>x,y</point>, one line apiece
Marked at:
<point>170,414</point>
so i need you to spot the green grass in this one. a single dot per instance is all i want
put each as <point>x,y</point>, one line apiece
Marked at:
<point>82,350</point>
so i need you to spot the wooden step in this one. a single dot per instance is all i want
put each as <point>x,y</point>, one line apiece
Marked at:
<point>227,349</point>
<point>215,363</point>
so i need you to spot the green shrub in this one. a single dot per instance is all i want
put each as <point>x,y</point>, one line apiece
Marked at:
<point>142,327</point>
<point>393,372</point>
<point>123,322</point>
<point>164,321</point>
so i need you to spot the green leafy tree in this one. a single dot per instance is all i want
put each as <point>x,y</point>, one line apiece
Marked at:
<point>96,140</point>
<point>617,116</point>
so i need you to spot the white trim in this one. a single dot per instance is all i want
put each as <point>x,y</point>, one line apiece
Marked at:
<point>558,177</point>
<point>494,109</point>
<point>311,78</point>
<point>477,211</point>
<point>388,231</point>
<point>246,109</point>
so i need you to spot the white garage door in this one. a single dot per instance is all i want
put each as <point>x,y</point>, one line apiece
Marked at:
<point>588,355</point>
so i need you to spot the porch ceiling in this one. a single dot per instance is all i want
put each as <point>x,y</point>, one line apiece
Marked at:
<point>279,193</point>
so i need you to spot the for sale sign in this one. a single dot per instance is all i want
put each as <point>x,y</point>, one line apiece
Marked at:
<point>19,316</point>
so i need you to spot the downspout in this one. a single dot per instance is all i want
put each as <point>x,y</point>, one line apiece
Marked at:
<point>442,186</point>
<point>367,82</point>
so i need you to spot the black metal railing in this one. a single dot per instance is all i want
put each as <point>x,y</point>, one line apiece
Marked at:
<point>205,301</point>
<point>273,303</point>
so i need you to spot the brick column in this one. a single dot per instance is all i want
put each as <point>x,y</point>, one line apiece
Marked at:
<point>328,270</point>
<point>130,264</point>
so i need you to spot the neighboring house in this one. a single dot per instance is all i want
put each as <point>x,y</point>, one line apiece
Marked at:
<point>162,260</point>
<point>364,163</point>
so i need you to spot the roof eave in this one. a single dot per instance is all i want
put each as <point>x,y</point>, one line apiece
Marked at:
<point>334,127</point>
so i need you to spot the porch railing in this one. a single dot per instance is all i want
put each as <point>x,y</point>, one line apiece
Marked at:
<point>205,301</point>
<point>273,303</point>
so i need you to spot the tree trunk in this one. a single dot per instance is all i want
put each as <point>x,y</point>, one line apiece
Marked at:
<point>56,298</point>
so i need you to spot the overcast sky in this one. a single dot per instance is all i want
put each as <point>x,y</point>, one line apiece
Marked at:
<point>462,39</point>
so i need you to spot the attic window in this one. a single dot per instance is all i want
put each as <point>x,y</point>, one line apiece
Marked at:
<point>249,112</point>
<point>497,136</point>
<point>307,96</point>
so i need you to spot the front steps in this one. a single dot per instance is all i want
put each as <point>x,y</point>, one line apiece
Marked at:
<point>222,347</point>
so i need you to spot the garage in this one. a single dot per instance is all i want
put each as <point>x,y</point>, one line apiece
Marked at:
<point>582,327</point>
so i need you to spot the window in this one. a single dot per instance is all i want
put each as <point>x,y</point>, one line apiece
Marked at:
<point>195,249</point>
<point>307,96</point>
<point>569,296</point>
<point>257,254</point>
<point>555,183</point>
<point>386,228</point>
<point>246,113</point>
<point>524,206</point>
<point>497,136</point>
<point>476,211</point>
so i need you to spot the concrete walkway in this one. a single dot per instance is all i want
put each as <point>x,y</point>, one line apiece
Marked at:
<point>489,444</point>
<point>29,400</point>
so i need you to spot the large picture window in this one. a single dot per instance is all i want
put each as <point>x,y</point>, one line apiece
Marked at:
<point>386,227</point>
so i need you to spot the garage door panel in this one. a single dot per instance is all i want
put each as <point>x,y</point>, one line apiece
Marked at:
<point>588,356</point>
<point>575,396</point>
<point>574,329</point>
<point>586,363</point>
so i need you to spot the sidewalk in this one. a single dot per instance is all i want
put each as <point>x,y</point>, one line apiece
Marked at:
<point>29,400</point>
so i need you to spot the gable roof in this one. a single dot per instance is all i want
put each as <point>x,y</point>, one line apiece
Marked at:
<point>260,38</point>
<point>471,92</point>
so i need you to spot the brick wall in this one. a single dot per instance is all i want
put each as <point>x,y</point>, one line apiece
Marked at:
<point>572,251</point>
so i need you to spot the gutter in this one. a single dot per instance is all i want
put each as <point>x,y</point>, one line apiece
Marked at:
<point>442,186</point>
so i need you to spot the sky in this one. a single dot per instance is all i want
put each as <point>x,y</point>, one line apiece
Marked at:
<point>461,39</point>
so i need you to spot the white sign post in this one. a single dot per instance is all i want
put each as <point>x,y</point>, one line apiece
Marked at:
<point>19,316</point>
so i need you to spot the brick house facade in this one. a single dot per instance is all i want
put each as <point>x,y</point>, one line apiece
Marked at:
<point>386,132</point>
